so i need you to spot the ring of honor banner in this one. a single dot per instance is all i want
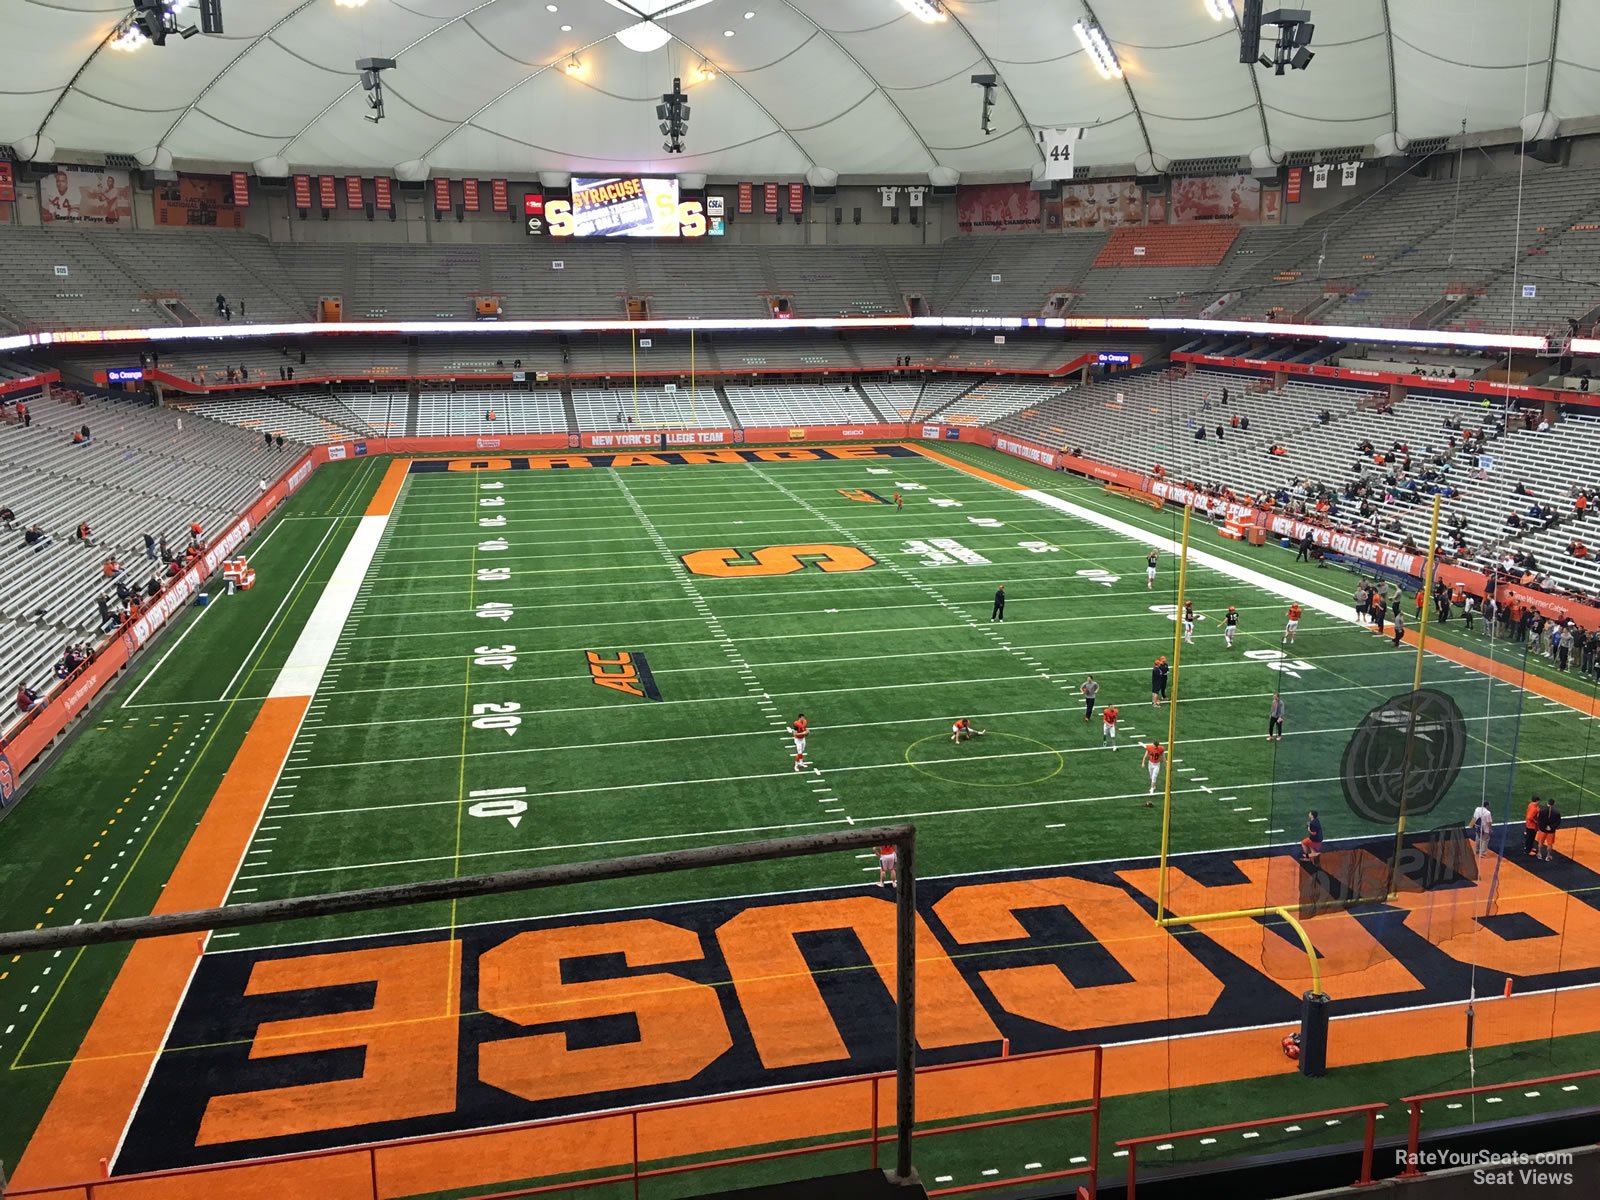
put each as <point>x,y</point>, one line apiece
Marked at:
<point>469,195</point>
<point>327,193</point>
<point>86,196</point>
<point>1291,189</point>
<point>500,195</point>
<point>797,197</point>
<point>769,198</point>
<point>302,192</point>
<point>199,202</point>
<point>441,195</point>
<point>381,195</point>
<point>746,199</point>
<point>241,189</point>
<point>8,184</point>
<point>353,198</point>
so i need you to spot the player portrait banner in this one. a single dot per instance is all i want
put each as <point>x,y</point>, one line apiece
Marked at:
<point>997,208</point>
<point>500,195</point>
<point>241,189</point>
<point>327,193</point>
<point>746,199</point>
<point>382,196</point>
<point>797,197</point>
<point>1216,198</point>
<point>199,202</point>
<point>469,195</point>
<point>441,195</point>
<point>302,192</point>
<point>769,198</point>
<point>85,196</point>
<point>8,183</point>
<point>1109,204</point>
<point>1292,185</point>
<point>353,199</point>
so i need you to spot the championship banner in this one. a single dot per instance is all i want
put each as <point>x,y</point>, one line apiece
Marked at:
<point>1292,186</point>
<point>302,192</point>
<point>8,184</point>
<point>380,193</point>
<point>797,197</point>
<point>997,208</point>
<point>469,194</point>
<point>199,202</point>
<point>769,198</point>
<point>746,199</point>
<point>86,196</point>
<point>353,198</point>
<point>441,195</point>
<point>500,195</point>
<point>327,193</point>
<point>241,189</point>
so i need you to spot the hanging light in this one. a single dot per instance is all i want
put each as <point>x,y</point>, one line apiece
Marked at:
<point>926,11</point>
<point>1220,10</point>
<point>705,72</point>
<point>129,35</point>
<point>574,67</point>
<point>1094,41</point>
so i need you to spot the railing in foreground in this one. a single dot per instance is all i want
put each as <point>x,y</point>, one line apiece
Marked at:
<point>1414,1132</point>
<point>1131,1145</point>
<point>620,1146</point>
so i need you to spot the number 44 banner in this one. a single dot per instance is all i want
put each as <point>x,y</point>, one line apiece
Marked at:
<point>1056,145</point>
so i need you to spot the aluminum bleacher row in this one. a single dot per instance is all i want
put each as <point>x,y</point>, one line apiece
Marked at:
<point>1385,257</point>
<point>139,473</point>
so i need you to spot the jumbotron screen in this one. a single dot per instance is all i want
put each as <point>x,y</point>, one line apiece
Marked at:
<point>631,206</point>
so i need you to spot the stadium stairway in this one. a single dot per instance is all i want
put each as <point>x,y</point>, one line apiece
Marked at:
<point>868,401</point>
<point>727,408</point>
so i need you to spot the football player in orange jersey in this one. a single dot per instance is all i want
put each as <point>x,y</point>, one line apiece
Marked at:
<point>1108,725</point>
<point>961,730</point>
<point>1154,752</point>
<point>888,862</point>
<point>797,730</point>
<point>1292,625</point>
<point>1188,621</point>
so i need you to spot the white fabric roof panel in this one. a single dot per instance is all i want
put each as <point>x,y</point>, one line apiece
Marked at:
<point>857,86</point>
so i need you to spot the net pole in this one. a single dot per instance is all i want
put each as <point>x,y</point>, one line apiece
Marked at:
<point>905,1007</point>
<point>1172,713</point>
<point>694,410</point>
<point>1416,683</point>
<point>633,342</point>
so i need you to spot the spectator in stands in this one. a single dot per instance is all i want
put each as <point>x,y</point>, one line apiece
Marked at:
<point>107,617</point>
<point>1580,506</point>
<point>149,547</point>
<point>153,588</point>
<point>194,533</point>
<point>222,304</point>
<point>1200,433</point>
<point>1577,549</point>
<point>27,698</point>
<point>24,412</point>
<point>268,438</point>
<point>7,517</point>
<point>280,441</point>
<point>85,432</point>
<point>35,536</point>
<point>1244,422</point>
<point>1219,433</point>
<point>110,567</point>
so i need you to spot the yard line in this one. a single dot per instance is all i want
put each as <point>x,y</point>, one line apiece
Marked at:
<point>162,661</point>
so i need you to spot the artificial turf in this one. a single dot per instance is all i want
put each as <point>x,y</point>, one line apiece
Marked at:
<point>379,788</point>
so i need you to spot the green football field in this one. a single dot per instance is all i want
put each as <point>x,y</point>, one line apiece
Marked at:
<point>547,666</point>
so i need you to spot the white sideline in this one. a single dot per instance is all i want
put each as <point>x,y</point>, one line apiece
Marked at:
<point>302,672</point>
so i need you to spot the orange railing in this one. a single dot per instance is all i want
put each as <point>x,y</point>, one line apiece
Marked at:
<point>1414,1132</point>
<point>1131,1145</point>
<point>615,1147</point>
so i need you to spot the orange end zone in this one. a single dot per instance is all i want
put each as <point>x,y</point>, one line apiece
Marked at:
<point>382,502</point>
<point>84,1123</point>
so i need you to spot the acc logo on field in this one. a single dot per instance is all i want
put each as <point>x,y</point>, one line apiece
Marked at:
<point>1404,756</point>
<point>629,672</point>
<point>729,563</point>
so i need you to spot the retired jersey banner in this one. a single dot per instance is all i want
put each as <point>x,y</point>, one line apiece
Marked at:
<point>327,193</point>
<point>769,198</point>
<point>441,195</point>
<point>352,192</point>
<point>500,195</point>
<point>302,191</point>
<point>797,197</point>
<point>86,196</point>
<point>241,189</point>
<point>469,194</point>
<point>199,202</point>
<point>746,199</point>
<point>380,193</point>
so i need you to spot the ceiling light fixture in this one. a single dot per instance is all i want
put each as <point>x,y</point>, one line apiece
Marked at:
<point>350,3</point>
<point>926,11</point>
<point>1094,41</point>
<point>1220,10</point>
<point>705,72</point>
<point>574,67</point>
<point>128,35</point>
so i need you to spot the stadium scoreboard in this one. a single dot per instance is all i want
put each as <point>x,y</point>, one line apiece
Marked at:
<point>621,206</point>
